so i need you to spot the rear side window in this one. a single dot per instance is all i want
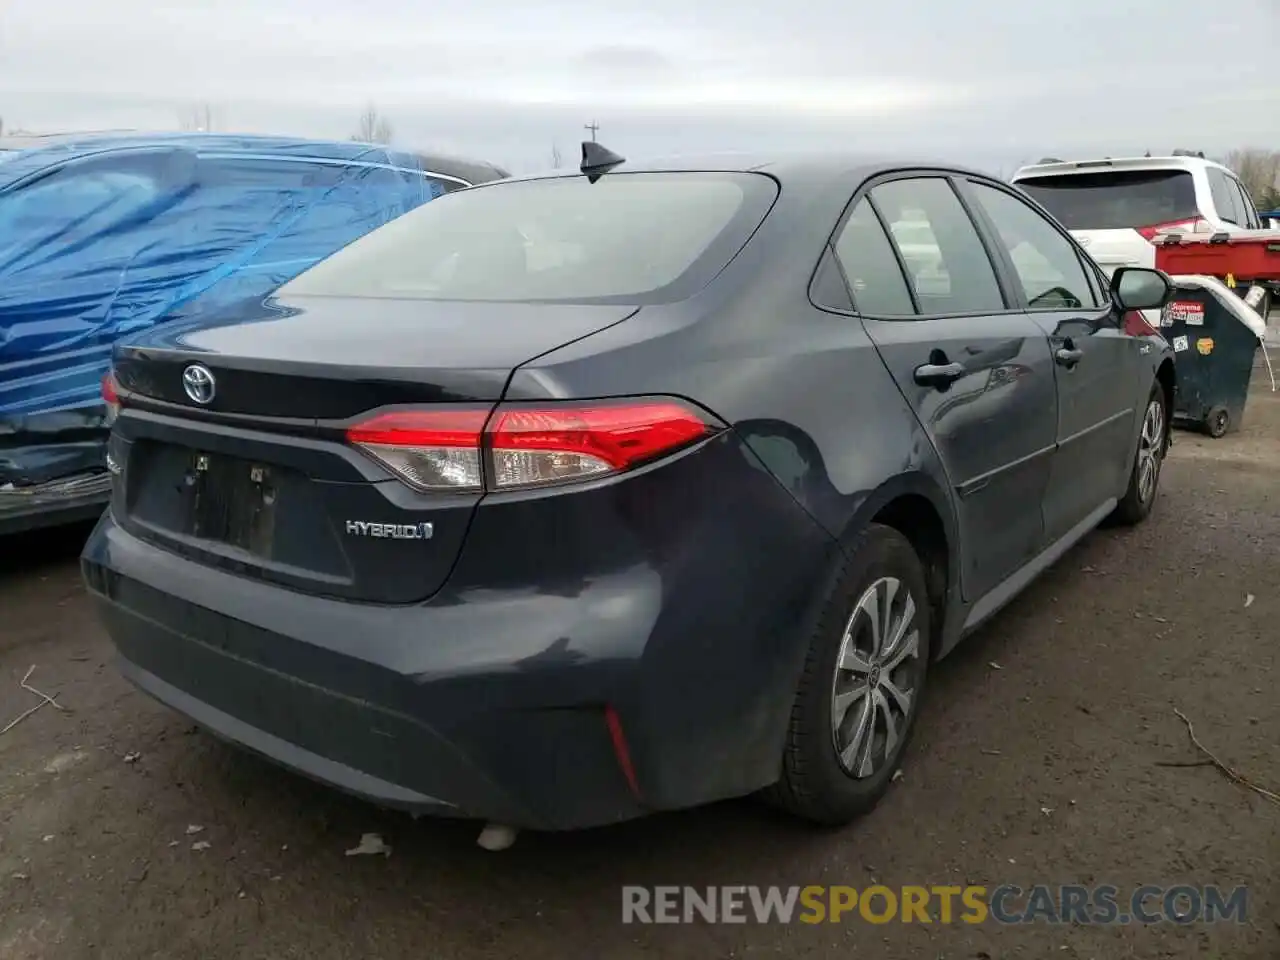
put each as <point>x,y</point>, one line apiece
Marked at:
<point>1048,268</point>
<point>946,262</point>
<point>1225,199</point>
<point>1245,204</point>
<point>81,200</point>
<point>1116,199</point>
<point>638,237</point>
<point>879,289</point>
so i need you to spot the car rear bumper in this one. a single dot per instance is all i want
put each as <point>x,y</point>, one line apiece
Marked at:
<point>498,704</point>
<point>57,502</point>
<point>357,707</point>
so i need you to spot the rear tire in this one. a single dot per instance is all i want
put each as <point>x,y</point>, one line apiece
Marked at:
<point>1148,459</point>
<point>860,689</point>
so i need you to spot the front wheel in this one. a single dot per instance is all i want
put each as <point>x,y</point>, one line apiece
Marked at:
<point>859,693</point>
<point>1144,477</point>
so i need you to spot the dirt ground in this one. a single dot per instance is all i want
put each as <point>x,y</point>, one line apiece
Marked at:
<point>1065,703</point>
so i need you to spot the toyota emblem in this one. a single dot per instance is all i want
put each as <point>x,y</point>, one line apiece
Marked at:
<point>199,383</point>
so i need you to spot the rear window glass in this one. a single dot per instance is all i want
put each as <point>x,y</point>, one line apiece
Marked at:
<point>1114,200</point>
<point>627,237</point>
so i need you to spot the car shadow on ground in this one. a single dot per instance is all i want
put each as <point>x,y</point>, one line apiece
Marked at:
<point>32,551</point>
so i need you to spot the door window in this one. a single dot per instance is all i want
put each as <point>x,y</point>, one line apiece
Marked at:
<point>875,277</point>
<point>1046,262</point>
<point>947,265</point>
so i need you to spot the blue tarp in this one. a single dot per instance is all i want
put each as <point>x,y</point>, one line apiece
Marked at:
<point>107,237</point>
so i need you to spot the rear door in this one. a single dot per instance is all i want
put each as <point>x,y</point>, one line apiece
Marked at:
<point>974,367</point>
<point>1096,364</point>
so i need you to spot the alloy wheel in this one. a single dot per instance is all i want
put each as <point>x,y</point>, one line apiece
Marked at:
<point>1150,450</point>
<point>877,678</point>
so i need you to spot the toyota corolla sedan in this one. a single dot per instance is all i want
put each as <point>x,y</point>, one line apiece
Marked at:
<point>565,499</point>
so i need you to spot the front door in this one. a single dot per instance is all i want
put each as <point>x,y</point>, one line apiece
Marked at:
<point>977,370</point>
<point>1096,364</point>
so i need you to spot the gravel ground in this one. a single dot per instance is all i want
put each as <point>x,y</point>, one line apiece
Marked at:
<point>1064,703</point>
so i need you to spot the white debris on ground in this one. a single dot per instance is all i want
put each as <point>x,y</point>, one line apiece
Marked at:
<point>194,829</point>
<point>496,836</point>
<point>370,844</point>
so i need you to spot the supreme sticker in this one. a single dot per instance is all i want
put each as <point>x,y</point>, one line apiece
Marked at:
<point>1185,311</point>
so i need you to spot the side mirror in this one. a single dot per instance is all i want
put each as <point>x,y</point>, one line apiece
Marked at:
<point>1140,288</point>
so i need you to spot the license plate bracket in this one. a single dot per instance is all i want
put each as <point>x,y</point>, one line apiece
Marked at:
<point>232,501</point>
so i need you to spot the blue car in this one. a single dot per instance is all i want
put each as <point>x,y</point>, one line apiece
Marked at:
<point>105,236</point>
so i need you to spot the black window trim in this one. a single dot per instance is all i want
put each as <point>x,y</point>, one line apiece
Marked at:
<point>1004,280</point>
<point>993,233</point>
<point>829,260</point>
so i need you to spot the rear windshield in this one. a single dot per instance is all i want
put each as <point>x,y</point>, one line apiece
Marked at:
<point>627,237</point>
<point>1116,199</point>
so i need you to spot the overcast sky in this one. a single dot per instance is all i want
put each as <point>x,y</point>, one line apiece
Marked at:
<point>993,82</point>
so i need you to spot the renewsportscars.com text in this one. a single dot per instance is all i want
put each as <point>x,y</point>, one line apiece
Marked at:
<point>1005,904</point>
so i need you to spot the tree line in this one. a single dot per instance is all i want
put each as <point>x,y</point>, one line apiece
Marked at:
<point>1259,171</point>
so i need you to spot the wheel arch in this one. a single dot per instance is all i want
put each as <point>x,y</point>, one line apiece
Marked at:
<point>915,506</point>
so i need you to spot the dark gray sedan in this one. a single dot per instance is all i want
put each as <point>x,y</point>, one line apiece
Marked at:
<point>569,498</point>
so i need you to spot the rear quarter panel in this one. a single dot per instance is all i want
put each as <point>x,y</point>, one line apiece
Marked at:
<point>804,389</point>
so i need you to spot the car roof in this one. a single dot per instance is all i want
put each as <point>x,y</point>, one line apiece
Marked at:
<point>814,169</point>
<point>44,151</point>
<point>1098,165</point>
<point>32,141</point>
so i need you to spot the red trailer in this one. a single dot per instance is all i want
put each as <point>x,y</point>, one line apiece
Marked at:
<point>1248,263</point>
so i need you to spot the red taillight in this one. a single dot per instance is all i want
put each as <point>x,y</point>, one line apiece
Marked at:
<point>531,446</point>
<point>1195,225</point>
<point>111,397</point>
<point>427,449</point>
<point>525,446</point>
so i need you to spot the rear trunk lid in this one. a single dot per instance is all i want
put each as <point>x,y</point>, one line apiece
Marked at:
<point>259,478</point>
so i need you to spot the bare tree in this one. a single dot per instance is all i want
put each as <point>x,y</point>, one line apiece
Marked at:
<point>374,127</point>
<point>1259,171</point>
<point>556,159</point>
<point>200,118</point>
